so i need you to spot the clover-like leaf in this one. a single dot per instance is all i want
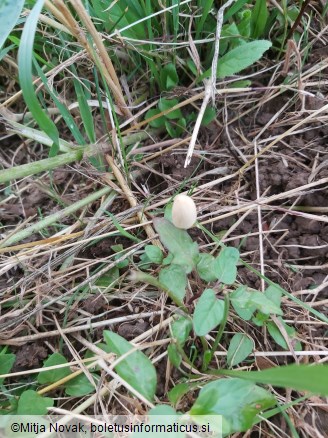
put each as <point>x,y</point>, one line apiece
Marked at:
<point>236,400</point>
<point>136,369</point>
<point>178,242</point>
<point>225,265</point>
<point>208,313</point>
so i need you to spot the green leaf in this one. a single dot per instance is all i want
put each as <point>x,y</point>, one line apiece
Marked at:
<point>244,27</point>
<point>175,279</point>
<point>205,267</point>
<point>176,128</point>
<point>181,329</point>
<point>6,363</point>
<point>209,116</point>
<point>154,254</point>
<point>313,378</point>
<point>111,276</point>
<point>65,113</point>
<point>240,347</point>
<point>177,392</point>
<point>166,104</point>
<point>54,375</point>
<point>85,111</point>
<point>274,293</point>
<point>243,298</point>
<point>241,305</point>
<point>25,56</point>
<point>236,400</point>
<point>31,403</point>
<point>259,18</point>
<point>174,355</point>
<point>240,84</point>
<point>136,369</point>
<point>260,319</point>
<point>241,57</point>
<point>157,123</point>
<point>208,313</point>
<point>9,14</point>
<point>178,242</point>
<point>225,265</point>
<point>206,6</point>
<point>169,77</point>
<point>234,9</point>
<point>80,386</point>
<point>274,331</point>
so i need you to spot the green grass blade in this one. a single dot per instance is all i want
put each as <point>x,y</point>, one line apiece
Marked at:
<point>281,408</point>
<point>9,14</point>
<point>25,55</point>
<point>313,378</point>
<point>62,108</point>
<point>85,111</point>
<point>39,166</point>
<point>206,7</point>
<point>122,230</point>
<point>234,9</point>
<point>259,18</point>
<point>175,18</point>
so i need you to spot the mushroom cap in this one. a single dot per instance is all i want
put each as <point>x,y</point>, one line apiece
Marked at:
<point>184,213</point>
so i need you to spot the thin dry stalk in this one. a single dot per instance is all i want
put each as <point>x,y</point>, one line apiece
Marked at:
<point>133,201</point>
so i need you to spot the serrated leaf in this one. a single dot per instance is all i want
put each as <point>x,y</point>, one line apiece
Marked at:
<point>240,347</point>
<point>175,279</point>
<point>225,265</point>
<point>31,403</point>
<point>9,14</point>
<point>178,242</point>
<point>54,375</point>
<point>6,363</point>
<point>241,57</point>
<point>205,267</point>
<point>237,402</point>
<point>136,369</point>
<point>208,313</point>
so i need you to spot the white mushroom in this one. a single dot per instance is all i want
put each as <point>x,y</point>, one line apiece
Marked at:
<point>184,213</point>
